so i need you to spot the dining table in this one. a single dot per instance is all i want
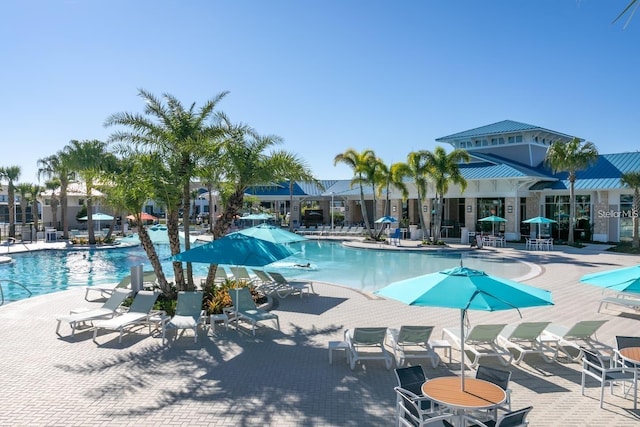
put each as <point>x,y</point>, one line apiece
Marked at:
<point>632,355</point>
<point>476,395</point>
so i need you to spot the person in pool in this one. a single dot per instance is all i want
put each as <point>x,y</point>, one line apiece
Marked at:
<point>307,265</point>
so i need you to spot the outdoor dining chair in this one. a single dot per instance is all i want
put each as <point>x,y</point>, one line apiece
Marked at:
<point>596,367</point>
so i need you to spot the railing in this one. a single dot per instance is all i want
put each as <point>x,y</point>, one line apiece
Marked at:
<point>15,283</point>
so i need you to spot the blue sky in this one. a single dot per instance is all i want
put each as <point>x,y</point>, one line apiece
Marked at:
<point>391,76</point>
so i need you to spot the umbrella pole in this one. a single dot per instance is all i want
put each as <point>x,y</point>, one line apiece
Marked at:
<point>462,349</point>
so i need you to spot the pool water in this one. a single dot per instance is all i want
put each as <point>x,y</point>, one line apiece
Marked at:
<point>44,272</point>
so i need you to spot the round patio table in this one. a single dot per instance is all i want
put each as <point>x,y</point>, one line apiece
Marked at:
<point>477,394</point>
<point>631,354</point>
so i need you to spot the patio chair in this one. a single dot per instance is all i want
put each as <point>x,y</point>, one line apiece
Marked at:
<point>517,418</point>
<point>125,283</point>
<point>525,339</point>
<point>241,274</point>
<point>410,380</point>
<point>188,314</point>
<point>481,341</point>
<point>244,308</point>
<point>412,342</point>
<point>367,344</point>
<point>266,282</point>
<point>582,334</point>
<point>394,239</point>
<point>596,367</point>
<point>283,288</point>
<point>623,342</point>
<point>409,413</point>
<point>139,313</point>
<point>500,378</point>
<point>82,316</point>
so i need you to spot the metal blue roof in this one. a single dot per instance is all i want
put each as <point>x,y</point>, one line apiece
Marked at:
<point>603,175</point>
<point>279,189</point>
<point>493,167</point>
<point>503,127</point>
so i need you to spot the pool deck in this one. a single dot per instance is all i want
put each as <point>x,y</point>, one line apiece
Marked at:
<point>231,378</point>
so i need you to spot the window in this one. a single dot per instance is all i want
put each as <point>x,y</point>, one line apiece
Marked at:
<point>626,221</point>
<point>501,141</point>
<point>519,138</point>
<point>485,142</point>
<point>511,139</point>
<point>494,141</point>
<point>81,202</point>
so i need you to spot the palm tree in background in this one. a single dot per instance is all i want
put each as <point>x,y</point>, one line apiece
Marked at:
<point>11,174</point>
<point>24,190</point>
<point>358,162</point>
<point>571,157</point>
<point>391,177</point>
<point>34,194</point>
<point>179,136</point>
<point>53,185</point>
<point>442,168</point>
<point>629,10</point>
<point>89,159</point>
<point>632,180</point>
<point>55,168</point>
<point>416,169</point>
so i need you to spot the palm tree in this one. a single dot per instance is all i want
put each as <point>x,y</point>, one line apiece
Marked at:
<point>53,185</point>
<point>630,9</point>
<point>89,159</point>
<point>358,162</point>
<point>632,180</point>
<point>391,177</point>
<point>373,175</point>
<point>34,193</point>
<point>416,169</point>
<point>11,175</point>
<point>56,168</point>
<point>291,168</point>
<point>571,157</point>
<point>24,189</point>
<point>178,136</point>
<point>442,169</point>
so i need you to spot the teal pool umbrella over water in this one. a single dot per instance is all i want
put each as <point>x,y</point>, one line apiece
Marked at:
<point>493,219</point>
<point>98,216</point>
<point>625,279</point>
<point>236,249</point>
<point>272,234</point>
<point>386,219</point>
<point>539,220</point>
<point>465,289</point>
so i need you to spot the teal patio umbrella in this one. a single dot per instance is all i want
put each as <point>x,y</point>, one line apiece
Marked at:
<point>465,289</point>
<point>386,220</point>
<point>493,219</point>
<point>272,234</point>
<point>98,216</point>
<point>539,220</point>
<point>625,279</point>
<point>236,249</point>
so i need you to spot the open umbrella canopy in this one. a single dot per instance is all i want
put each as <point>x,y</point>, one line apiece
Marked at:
<point>386,219</point>
<point>144,216</point>
<point>272,234</point>
<point>625,279</point>
<point>259,216</point>
<point>98,216</point>
<point>493,219</point>
<point>539,220</point>
<point>465,289</point>
<point>236,249</point>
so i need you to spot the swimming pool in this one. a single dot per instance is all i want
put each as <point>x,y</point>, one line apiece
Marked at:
<point>44,272</point>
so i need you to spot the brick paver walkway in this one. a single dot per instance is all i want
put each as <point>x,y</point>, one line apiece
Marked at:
<point>283,378</point>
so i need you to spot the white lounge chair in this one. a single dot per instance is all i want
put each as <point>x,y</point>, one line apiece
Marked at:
<point>241,274</point>
<point>148,277</point>
<point>367,344</point>
<point>82,316</point>
<point>412,342</point>
<point>244,308</point>
<point>189,314</point>
<point>525,339</point>
<point>283,288</point>
<point>481,341</point>
<point>139,313</point>
<point>582,334</point>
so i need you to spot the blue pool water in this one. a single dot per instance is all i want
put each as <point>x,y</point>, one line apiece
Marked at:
<point>44,272</point>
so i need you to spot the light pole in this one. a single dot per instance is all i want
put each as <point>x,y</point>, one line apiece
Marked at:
<point>331,210</point>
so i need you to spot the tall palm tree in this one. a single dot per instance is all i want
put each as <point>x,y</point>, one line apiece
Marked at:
<point>24,190</point>
<point>178,135</point>
<point>373,175</point>
<point>53,185</point>
<point>571,157</point>
<point>34,194</point>
<point>358,162</point>
<point>11,175</point>
<point>291,168</point>
<point>391,177</point>
<point>629,10</point>
<point>632,180</point>
<point>442,169</point>
<point>56,168</point>
<point>416,169</point>
<point>89,159</point>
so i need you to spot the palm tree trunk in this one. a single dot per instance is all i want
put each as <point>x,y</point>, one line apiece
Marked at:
<point>92,235</point>
<point>572,210</point>
<point>150,250</point>
<point>174,245</point>
<point>290,205</point>
<point>63,210</point>
<point>186,215</point>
